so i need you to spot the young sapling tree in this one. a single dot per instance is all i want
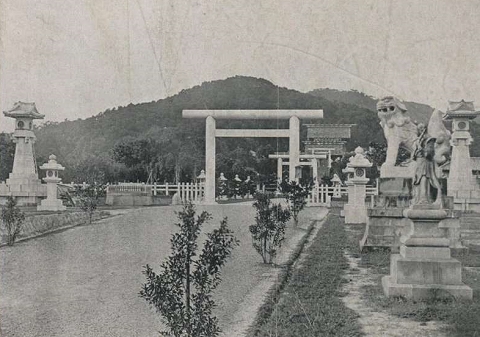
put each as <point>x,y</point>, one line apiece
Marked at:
<point>296,195</point>
<point>89,197</point>
<point>12,218</point>
<point>269,229</point>
<point>182,291</point>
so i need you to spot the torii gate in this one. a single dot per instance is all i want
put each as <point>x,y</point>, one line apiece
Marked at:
<point>312,161</point>
<point>211,132</point>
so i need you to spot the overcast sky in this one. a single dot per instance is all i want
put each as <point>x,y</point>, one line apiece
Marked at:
<point>76,58</point>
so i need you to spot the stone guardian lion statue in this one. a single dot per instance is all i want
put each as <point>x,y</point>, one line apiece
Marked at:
<point>397,127</point>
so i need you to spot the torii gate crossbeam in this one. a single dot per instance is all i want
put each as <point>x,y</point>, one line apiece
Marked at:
<point>293,133</point>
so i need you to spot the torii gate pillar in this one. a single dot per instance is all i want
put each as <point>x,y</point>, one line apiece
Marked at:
<point>293,146</point>
<point>210,126</point>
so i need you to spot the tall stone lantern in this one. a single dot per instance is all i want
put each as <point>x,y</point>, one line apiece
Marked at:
<point>356,210</point>
<point>52,179</point>
<point>461,183</point>
<point>23,182</point>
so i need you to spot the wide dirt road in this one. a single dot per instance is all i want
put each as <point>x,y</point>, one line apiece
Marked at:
<point>85,281</point>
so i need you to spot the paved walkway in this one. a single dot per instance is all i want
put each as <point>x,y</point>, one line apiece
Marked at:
<point>85,281</point>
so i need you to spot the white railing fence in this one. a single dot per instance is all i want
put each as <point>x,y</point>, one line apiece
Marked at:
<point>186,191</point>
<point>321,195</point>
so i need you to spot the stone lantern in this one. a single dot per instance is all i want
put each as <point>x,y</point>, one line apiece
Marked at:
<point>201,177</point>
<point>355,210</point>
<point>51,203</point>
<point>201,180</point>
<point>461,183</point>
<point>222,186</point>
<point>337,184</point>
<point>23,182</point>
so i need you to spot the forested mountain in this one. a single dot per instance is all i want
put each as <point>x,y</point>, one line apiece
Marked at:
<point>86,146</point>
<point>418,112</point>
<point>145,140</point>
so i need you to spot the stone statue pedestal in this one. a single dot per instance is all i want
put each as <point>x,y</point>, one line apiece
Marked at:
<point>51,205</point>
<point>388,171</point>
<point>424,268</point>
<point>385,219</point>
<point>355,210</point>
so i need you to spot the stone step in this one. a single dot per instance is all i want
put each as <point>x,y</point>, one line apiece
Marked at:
<point>470,234</point>
<point>381,230</point>
<point>380,240</point>
<point>470,223</point>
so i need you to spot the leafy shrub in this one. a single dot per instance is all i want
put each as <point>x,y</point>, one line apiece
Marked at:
<point>182,291</point>
<point>12,218</point>
<point>296,195</point>
<point>269,229</point>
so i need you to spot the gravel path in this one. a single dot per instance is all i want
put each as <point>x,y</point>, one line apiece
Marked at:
<point>85,281</point>
<point>380,323</point>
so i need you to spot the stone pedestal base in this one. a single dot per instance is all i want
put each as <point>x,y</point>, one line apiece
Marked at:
<point>25,195</point>
<point>422,291</point>
<point>51,205</point>
<point>355,214</point>
<point>424,268</point>
<point>387,171</point>
<point>384,228</point>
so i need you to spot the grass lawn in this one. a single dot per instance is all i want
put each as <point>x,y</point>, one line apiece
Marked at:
<point>462,317</point>
<point>310,302</point>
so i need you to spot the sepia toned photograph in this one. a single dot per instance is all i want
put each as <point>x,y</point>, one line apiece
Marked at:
<point>219,168</point>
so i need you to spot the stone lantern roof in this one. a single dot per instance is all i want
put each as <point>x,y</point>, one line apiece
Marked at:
<point>336,179</point>
<point>461,109</point>
<point>25,110</point>
<point>359,160</point>
<point>52,164</point>
<point>201,175</point>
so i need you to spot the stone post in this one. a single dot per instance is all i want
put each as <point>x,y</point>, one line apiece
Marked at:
<point>356,209</point>
<point>51,203</point>
<point>210,126</point>
<point>279,174</point>
<point>279,170</point>
<point>294,147</point>
<point>314,169</point>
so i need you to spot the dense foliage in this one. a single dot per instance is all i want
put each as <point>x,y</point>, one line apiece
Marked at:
<point>182,291</point>
<point>7,151</point>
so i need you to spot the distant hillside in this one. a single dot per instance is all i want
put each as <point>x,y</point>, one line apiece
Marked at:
<point>80,140</point>
<point>84,145</point>
<point>419,112</point>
